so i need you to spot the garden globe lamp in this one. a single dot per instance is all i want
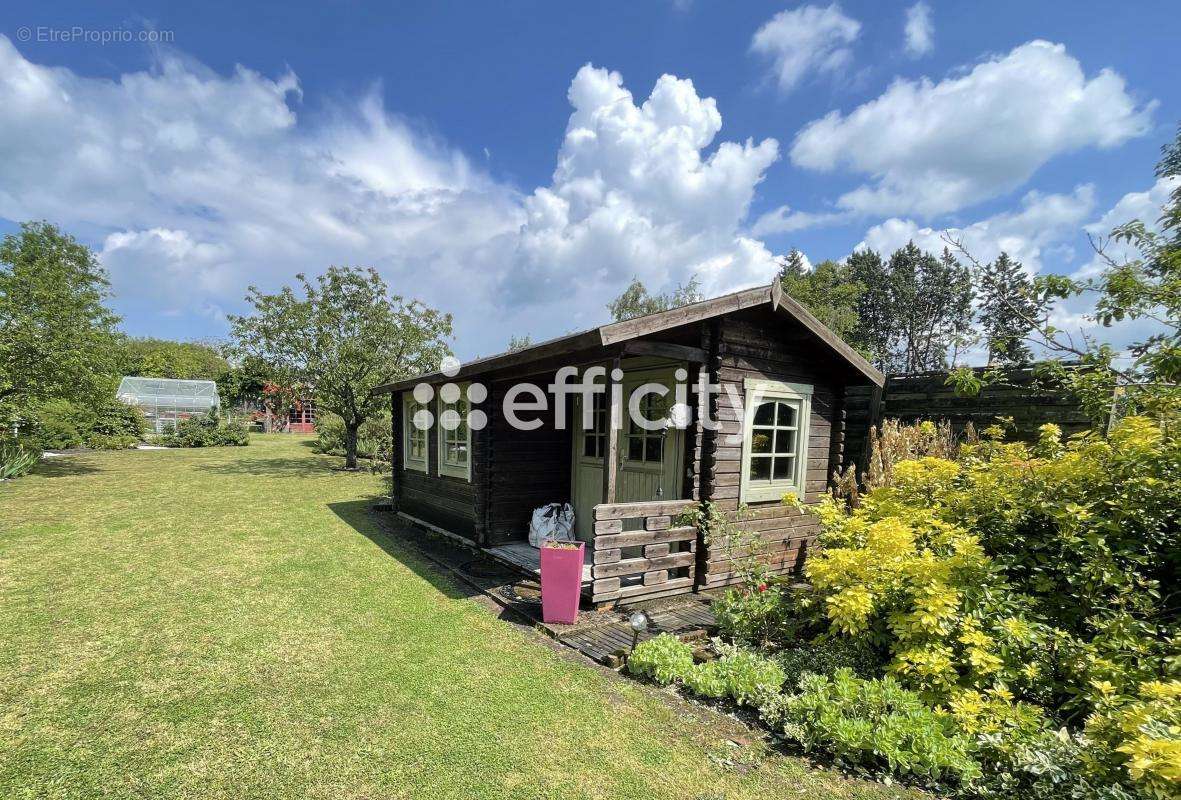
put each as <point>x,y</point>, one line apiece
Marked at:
<point>639,622</point>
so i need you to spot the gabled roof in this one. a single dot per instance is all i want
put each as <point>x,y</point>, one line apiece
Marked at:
<point>618,332</point>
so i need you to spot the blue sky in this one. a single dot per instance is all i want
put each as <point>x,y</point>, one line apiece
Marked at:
<point>439,143</point>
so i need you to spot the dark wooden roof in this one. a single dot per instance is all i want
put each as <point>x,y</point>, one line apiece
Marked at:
<point>619,332</point>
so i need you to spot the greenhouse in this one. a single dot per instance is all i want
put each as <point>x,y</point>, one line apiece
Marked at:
<point>167,401</point>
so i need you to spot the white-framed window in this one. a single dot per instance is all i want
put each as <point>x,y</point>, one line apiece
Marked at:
<point>414,438</point>
<point>455,437</point>
<point>775,440</point>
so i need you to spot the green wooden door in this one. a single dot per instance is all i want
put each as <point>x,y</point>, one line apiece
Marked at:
<point>650,462</point>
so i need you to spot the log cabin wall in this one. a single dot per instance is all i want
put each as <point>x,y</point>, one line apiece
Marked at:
<point>445,501</point>
<point>757,344</point>
<point>523,469</point>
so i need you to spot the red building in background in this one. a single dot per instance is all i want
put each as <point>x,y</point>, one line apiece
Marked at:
<point>302,417</point>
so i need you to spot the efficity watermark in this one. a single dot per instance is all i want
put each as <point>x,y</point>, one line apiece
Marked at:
<point>78,34</point>
<point>524,404</point>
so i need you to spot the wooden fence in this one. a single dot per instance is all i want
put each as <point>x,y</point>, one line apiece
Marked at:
<point>927,396</point>
<point>641,552</point>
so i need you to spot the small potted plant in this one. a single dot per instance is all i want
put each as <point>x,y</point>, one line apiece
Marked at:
<point>561,580</point>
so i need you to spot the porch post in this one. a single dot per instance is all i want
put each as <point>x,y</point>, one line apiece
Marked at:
<point>614,423</point>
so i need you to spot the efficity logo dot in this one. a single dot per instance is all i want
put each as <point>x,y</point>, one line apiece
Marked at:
<point>450,394</point>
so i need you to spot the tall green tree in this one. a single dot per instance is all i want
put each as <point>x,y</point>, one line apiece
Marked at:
<point>914,310</point>
<point>1008,310</point>
<point>874,331</point>
<point>828,290</point>
<point>636,301</point>
<point>57,335</point>
<point>344,337</point>
<point>161,358</point>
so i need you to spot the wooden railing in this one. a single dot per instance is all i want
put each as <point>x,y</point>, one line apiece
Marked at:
<point>641,552</point>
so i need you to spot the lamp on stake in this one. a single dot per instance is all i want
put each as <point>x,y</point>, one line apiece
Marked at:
<point>639,623</point>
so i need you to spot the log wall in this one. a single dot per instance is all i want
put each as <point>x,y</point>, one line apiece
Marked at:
<point>926,396</point>
<point>755,344</point>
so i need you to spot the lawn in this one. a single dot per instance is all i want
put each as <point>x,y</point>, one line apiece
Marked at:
<point>231,623</point>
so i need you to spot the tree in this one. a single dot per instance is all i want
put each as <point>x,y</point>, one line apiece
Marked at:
<point>1007,310</point>
<point>161,358</point>
<point>828,290</point>
<point>1146,285</point>
<point>635,301</point>
<point>519,343</point>
<point>347,336</point>
<point>875,312</point>
<point>931,300</point>
<point>57,336</point>
<point>913,310</point>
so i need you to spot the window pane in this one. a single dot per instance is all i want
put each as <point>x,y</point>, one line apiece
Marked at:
<point>765,414</point>
<point>760,441</point>
<point>760,468</point>
<point>784,468</point>
<point>588,445</point>
<point>787,416</point>
<point>635,448</point>
<point>785,442</point>
<point>652,448</point>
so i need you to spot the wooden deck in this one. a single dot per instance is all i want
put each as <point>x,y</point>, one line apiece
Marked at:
<point>526,557</point>
<point>609,643</point>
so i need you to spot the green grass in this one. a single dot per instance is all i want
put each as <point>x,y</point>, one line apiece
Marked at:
<point>230,623</point>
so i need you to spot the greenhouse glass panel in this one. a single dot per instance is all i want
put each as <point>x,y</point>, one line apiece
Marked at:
<point>167,401</point>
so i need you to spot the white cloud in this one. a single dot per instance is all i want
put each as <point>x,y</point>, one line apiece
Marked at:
<point>932,148</point>
<point>1144,206</point>
<point>806,39</point>
<point>193,184</point>
<point>784,220</point>
<point>1043,222</point>
<point>920,31</point>
<point>633,195</point>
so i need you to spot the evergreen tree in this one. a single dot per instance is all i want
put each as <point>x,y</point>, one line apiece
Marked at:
<point>827,290</point>
<point>875,315</point>
<point>794,265</point>
<point>1008,310</point>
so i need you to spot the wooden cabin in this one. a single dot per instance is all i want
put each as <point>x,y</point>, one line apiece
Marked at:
<point>479,483</point>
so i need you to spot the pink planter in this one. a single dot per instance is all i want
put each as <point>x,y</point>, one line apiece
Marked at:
<point>561,582</point>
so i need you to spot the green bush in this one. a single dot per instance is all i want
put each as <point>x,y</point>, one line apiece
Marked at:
<point>116,419</point>
<point>742,676</point>
<point>826,656</point>
<point>663,658</point>
<point>763,614</point>
<point>374,438</point>
<point>16,459</point>
<point>873,726</point>
<point>59,425</point>
<point>207,431</point>
<point>102,441</point>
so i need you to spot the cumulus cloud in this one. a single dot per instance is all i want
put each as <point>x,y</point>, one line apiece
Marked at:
<point>193,184</point>
<point>932,148</point>
<point>1044,222</point>
<point>806,39</point>
<point>632,194</point>
<point>784,220</point>
<point>1145,206</point>
<point>920,30</point>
